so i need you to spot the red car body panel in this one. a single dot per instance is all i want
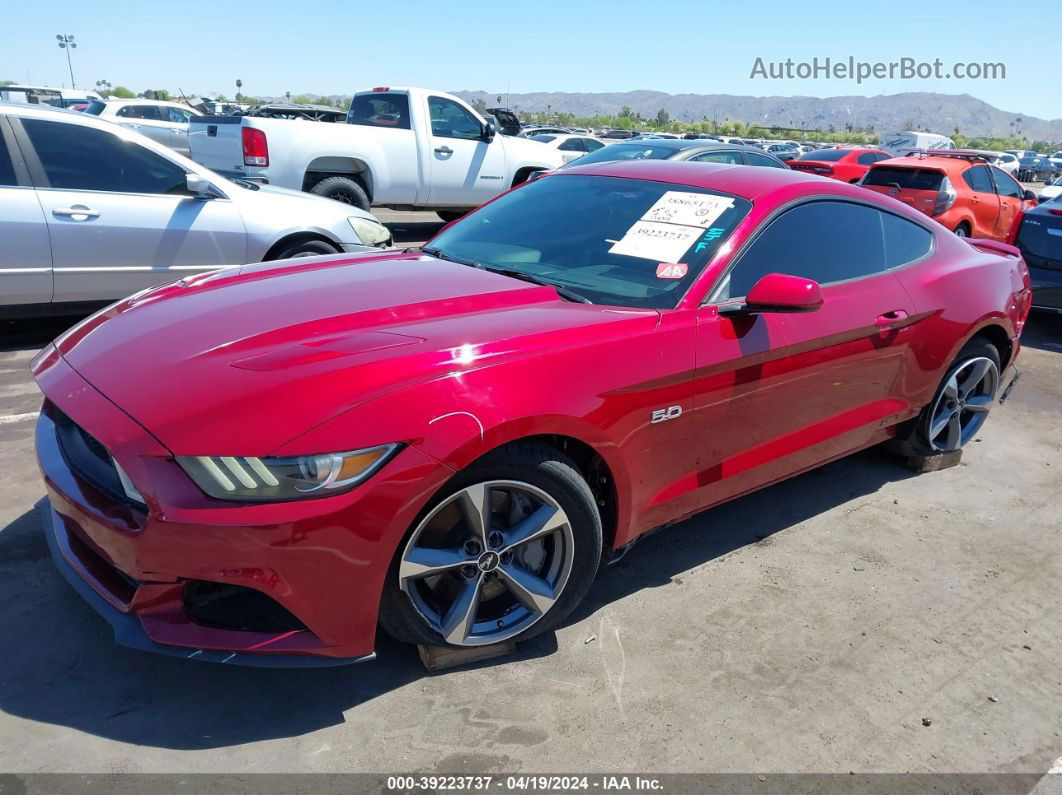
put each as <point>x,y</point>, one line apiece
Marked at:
<point>847,169</point>
<point>452,361</point>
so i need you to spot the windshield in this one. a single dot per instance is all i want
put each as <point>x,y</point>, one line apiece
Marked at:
<point>826,155</point>
<point>616,241</point>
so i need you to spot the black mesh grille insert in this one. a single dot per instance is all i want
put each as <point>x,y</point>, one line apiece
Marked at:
<point>223,606</point>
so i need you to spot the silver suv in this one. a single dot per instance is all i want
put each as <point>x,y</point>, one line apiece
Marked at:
<point>91,212</point>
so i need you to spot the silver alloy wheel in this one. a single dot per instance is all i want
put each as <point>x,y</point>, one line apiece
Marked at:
<point>488,562</point>
<point>962,406</point>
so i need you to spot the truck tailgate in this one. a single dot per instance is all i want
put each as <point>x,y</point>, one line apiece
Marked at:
<point>217,143</point>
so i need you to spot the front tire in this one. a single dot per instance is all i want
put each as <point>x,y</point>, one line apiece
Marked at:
<point>505,552</point>
<point>305,248</point>
<point>342,189</point>
<point>449,216</point>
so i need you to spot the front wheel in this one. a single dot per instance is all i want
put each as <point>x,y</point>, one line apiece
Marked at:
<point>306,248</point>
<point>506,552</point>
<point>451,215</point>
<point>962,401</point>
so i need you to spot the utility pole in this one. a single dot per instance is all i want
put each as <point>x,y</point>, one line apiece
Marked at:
<point>67,43</point>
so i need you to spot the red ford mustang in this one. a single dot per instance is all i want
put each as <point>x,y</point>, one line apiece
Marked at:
<point>262,465</point>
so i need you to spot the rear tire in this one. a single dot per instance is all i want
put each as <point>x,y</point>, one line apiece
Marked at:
<point>444,568</point>
<point>961,402</point>
<point>342,189</point>
<point>451,215</point>
<point>305,248</point>
<point>963,230</point>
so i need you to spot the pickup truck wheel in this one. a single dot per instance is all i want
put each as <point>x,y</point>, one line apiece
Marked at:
<point>506,550</point>
<point>451,215</point>
<point>306,248</point>
<point>342,189</point>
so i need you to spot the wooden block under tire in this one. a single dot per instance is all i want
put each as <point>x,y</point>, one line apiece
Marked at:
<point>439,658</point>
<point>933,463</point>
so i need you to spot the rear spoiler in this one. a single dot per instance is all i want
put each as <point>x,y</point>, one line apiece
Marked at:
<point>994,246</point>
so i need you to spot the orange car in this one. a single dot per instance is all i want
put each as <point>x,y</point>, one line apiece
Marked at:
<point>960,189</point>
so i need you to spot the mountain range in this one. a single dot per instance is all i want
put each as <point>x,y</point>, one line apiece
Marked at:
<point>941,113</point>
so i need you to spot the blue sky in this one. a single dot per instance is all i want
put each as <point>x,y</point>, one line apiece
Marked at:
<point>528,45</point>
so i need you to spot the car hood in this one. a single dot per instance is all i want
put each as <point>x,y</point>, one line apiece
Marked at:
<point>238,362</point>
<point>278,201</point>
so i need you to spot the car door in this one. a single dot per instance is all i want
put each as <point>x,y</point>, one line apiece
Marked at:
<point>1011,201</point>
<point>25,255</point>
<point>145,119</point>
<point>465,169</point>
<point>983,201</point>
<point>815,385</point>
<point>754,159</point>
<point>571,149</point>
<point>119,215</point>
<point>711,156</point>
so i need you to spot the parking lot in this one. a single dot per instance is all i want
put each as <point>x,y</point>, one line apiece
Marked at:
<point>856,618</point>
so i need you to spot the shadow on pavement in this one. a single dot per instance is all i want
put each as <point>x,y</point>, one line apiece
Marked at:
<point>1043,332</point>
<point>61,665</point>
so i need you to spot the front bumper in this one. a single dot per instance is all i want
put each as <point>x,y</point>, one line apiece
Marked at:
<point>322,561</point>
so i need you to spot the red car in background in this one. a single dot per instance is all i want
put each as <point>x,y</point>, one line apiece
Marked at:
<point>260,465</point>
<point>847,165</point>
<point>960,189</point>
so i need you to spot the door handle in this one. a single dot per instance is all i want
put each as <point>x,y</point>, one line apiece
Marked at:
<point>889,319</point>
<point>78,212</point>
<point>444,150</point>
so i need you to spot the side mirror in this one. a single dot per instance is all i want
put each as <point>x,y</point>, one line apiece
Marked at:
<point>779,292</point>
<point>490,129</point>
<point>1029,196</point>
<point>199,187</point>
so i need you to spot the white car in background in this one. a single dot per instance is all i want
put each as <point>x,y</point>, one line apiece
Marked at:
<point>1007,162</point>
<point>1051,190</point>
<point>163,122</point>
<point>570,146</point>
<point>91,212</point>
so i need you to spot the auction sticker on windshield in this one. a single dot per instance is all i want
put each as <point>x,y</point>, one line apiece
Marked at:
<point>688,209</point>
<point>674,223</point>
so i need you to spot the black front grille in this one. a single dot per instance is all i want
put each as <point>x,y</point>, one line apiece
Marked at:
<point>87,457</point>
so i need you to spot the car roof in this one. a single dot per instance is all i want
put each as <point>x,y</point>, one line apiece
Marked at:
<point>946,164</point>
<point>748,182</point>
<point>139,101</point>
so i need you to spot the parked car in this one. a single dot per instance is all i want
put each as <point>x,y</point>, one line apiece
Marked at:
<point>960,189</point>
<point>186,432</point>
<point>1050,191</point>
<point>163,122</point>
<point>695,151</point>
<point>1007,162</point>
<point>570,146</point>
<point>530,130</point>
<point>847,165</point>
<point>1034,167</point>
<point>619,134</point>
<point>783,152</point>
<point>46,95</point>
<point>401,147</point>
<point>91,211</point>
<point>1038,235</point>
<point>901,143</point>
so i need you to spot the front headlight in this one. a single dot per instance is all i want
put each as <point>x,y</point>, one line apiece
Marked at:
<point>273,479</point>
<point>370,232</point>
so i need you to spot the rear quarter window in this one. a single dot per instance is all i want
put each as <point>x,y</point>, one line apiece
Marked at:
<point>905,241</point>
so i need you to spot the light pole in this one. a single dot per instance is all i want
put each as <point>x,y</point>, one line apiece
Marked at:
<point>67,43</point>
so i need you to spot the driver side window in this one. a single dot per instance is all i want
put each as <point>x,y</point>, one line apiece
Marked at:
<point>828,241</point>
<point>450,120</point>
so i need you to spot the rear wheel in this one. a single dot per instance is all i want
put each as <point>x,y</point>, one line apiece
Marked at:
<point>342,189</point>
<point>962,401</point>
<point>451,215</point>
<point>963,230</point>
<point>505,552</point>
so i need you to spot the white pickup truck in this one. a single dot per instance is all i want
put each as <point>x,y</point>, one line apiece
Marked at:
<point>403,148</point>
